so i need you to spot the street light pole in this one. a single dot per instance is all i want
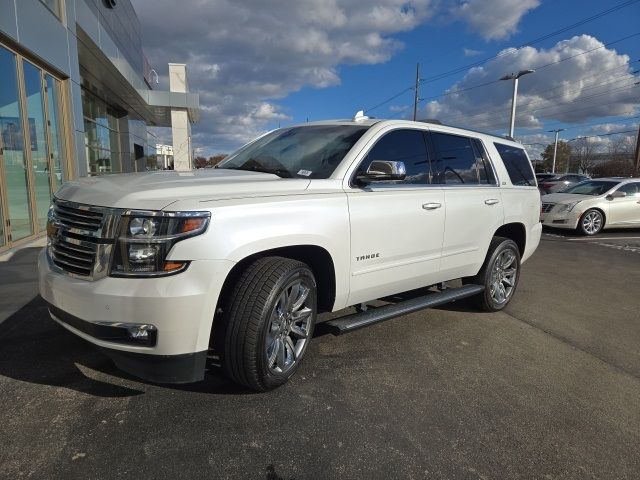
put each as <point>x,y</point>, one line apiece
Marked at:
<point>555,148</point>
<point>514,99</point>
<point>514,77</point>
<point>415,95</point>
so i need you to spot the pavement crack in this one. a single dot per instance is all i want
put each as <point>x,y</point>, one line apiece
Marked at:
<point>575,346</point>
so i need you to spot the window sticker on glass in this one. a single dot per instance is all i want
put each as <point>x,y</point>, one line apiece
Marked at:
<point>305,173</point>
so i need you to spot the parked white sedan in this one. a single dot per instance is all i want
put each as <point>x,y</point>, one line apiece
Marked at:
<point>593,205</point>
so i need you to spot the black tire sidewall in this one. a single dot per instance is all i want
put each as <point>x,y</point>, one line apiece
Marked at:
<point>271,379</point>
<point>489,303</point>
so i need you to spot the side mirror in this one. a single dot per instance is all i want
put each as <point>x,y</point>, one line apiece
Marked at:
<point>383,170</point>
<point>616,194</point>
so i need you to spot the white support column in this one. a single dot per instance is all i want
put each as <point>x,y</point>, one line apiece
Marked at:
<point>180,125</point>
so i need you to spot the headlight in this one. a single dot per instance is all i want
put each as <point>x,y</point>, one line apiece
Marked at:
<point>567,207</point>
<point>147,237</point>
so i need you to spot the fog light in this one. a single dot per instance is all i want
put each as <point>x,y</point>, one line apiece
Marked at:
<point>142,253</point>
<point>142,333</point>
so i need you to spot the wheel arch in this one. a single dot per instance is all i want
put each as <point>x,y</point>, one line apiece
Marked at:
<point>316,257</point>
<point>602,212</point>
<point>515,231</point>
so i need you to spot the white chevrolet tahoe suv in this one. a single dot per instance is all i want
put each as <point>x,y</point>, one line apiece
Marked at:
<point>168,272</point>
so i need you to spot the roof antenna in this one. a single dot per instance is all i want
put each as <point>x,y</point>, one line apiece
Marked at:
<point>360,116</point>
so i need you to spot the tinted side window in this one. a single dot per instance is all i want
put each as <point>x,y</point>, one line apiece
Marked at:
<point>631,189</point>
<point>517,164</point>
<point>455,160</point>
<point>406,146</point>
<point>485,171</point>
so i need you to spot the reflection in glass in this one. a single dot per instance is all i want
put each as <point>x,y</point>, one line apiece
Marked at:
<point>101,135</point>
<point>15,169</point>
<point>54,130</point>
<point>39,153</point>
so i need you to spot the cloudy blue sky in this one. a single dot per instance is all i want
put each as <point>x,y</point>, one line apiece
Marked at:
<point>257,64</point>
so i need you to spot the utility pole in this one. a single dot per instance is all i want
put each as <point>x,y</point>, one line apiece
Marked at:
<point>637,157</point>
<point>415,97</point>
<point>555,148</point>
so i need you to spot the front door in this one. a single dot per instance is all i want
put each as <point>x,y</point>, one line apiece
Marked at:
<point>625,211</point>
<point>396,227</point>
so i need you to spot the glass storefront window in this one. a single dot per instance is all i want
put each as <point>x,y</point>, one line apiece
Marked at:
<point>39,150</point>
<point>55,138</point>
<point>32,147</point>
<point>101,135</point>
<point>16,181</point>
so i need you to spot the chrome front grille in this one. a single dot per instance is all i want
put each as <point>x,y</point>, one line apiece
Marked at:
<point>546,207</point>
<point>79,218</point>
<point>81,238</point>
<point>73,256</point>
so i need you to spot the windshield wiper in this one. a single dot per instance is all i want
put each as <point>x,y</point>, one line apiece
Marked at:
<point>281,172</point>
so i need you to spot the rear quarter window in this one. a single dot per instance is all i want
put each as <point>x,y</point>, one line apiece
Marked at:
<point>517,164</point>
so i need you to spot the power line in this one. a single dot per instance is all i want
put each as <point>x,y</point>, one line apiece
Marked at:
<point>532,42</point>
<point>388,99</point>
<point>592,124</point>
<point>605,134</point>
<point>542,100</point>
<point>585,52</point>
<point>488,125</point>
<point>499,109</point>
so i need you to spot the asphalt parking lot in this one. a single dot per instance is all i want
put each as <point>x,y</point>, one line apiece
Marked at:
<point>548,389</point>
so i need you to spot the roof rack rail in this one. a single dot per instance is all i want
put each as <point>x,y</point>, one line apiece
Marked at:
<point>430,120</point>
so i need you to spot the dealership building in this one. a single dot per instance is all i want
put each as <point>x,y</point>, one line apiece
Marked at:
<point>77,99</point>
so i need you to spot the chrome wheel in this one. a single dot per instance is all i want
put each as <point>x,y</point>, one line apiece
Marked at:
<point>289,327</point>
<point>592,222</point>
<point>503,276</point>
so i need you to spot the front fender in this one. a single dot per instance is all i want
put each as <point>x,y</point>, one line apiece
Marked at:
<point>239,229</point>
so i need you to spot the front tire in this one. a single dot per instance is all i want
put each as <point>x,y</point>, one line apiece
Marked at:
<point>269,322</point>
<point>499,275</point>
<point>591,222</point>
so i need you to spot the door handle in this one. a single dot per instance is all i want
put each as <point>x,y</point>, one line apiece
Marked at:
<point>431,206</point>
<point>491,201</point>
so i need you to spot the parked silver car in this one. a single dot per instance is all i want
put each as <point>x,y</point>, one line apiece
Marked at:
<point>593,205</point>
<point>559,183</point>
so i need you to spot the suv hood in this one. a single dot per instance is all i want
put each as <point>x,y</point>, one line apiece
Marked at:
<point>566,197</point>
<point>158,190</point>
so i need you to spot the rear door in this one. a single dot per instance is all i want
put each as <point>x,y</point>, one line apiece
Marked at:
<point>473,201</point>
<point>396,227</point>
<point>625,211</point>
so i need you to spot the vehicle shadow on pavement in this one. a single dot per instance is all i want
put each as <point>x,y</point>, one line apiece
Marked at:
<point>35,349</point>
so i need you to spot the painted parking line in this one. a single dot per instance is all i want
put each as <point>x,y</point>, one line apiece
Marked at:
<point>595,239</point>
<point>625,248</point>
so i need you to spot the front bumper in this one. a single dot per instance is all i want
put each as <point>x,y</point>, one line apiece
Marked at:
<point>179,307</point>
<point>568,220</point>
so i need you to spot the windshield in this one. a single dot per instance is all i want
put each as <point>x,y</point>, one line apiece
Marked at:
<point>592,187</point>
<point>312,151</point>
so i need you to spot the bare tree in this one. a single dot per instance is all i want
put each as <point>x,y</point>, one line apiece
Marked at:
<point>621,147</point>
<point>584,154</point>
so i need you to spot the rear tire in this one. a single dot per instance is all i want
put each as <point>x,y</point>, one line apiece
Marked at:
<point>269,322</point>
<point>499,275</point>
